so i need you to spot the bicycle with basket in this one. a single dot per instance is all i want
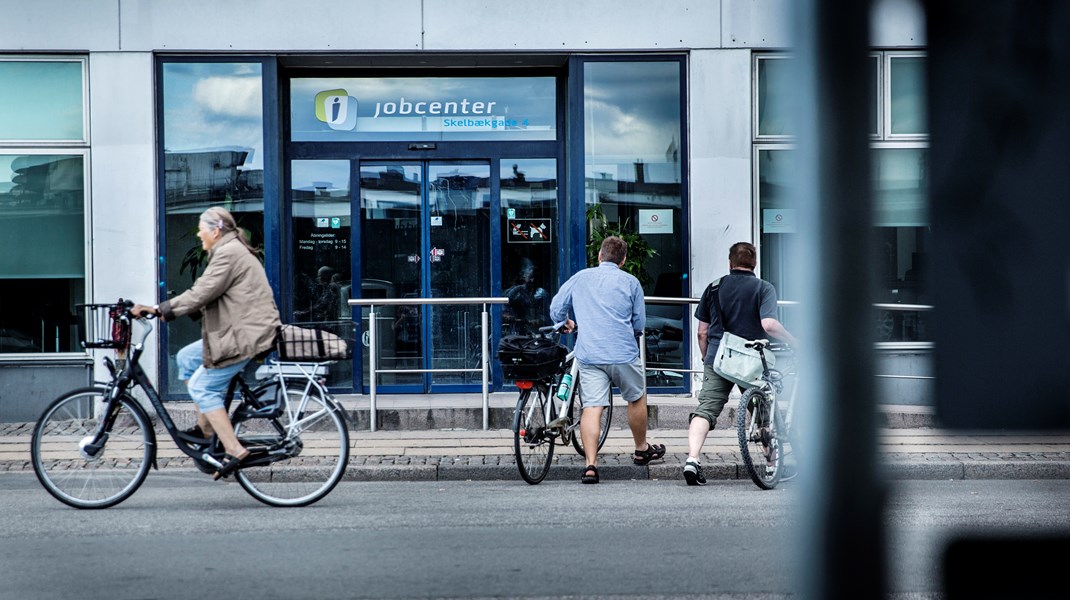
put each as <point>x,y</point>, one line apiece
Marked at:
<point>549,406</point>
<point>93,447</point>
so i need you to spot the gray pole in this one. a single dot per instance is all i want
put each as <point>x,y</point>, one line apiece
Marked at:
<point>842,543</point>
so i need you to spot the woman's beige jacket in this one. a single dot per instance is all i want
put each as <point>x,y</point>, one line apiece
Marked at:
<point>238,308</point>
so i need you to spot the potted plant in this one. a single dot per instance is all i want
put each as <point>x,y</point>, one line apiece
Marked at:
<point>638,248</point>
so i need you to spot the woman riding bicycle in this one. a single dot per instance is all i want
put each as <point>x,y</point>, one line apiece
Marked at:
<point>239,322</point>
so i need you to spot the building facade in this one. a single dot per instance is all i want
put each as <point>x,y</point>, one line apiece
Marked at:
<point>419,149</point>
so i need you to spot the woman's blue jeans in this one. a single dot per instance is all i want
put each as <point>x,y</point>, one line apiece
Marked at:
<point>206,386</point>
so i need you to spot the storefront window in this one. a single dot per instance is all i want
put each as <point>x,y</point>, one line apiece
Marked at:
<point>42,251</point>
<point>902,233</point>
<point>213,141</point>
<point>900,196</point>
<point>42,202</point>
<point>632,159</point>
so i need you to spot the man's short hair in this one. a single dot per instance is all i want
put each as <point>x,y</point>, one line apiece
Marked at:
<point>614,249</point>
<point>744,255</point>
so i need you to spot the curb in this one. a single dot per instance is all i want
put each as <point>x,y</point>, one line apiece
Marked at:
<point>615,468</point>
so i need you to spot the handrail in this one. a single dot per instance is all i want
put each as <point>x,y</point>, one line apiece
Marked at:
<point>484,368</point>
<point>783,303</point>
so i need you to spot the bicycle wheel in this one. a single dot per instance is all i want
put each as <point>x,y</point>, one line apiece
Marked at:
<point>758,429</point>
<point>79,476</point>
<point>532,443</point>
<point>607,418</point>
<point>312,439</point>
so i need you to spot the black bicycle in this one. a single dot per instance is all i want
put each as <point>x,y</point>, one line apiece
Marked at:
<point>93,447</point>
<point>549,407</point>
<point>764,419</point>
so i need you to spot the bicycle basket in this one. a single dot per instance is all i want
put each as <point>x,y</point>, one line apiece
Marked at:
<point>527,357</point>
<point>102,326</point>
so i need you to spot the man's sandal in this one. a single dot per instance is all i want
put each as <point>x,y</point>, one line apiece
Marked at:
<point>590,475</point>
<point>652,452</point>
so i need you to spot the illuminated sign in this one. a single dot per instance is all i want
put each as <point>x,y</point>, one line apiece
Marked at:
<point>423,109</point>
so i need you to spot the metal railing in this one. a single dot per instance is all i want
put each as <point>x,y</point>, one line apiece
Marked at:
<point>792,303</point>
<point>484,367</point>
<point>373,347</point>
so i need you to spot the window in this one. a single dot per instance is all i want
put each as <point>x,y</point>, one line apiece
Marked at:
<point>43,165</point>
<point>213,141</point>
<point>900,185</point>
<point>633,186</point>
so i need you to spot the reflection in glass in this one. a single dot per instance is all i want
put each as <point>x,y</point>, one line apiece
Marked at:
<point>213,155</point>
<point>529,243</point>
<point>774,95</point>
<point>42,251</point>
<point>632,125</point>
<point>901,216</point>
<point>902,235</point>
<point>390,202</point>
<point>321,259</point>
<point>907,89</point>
<point>42,100</point>
<point>459,263</point>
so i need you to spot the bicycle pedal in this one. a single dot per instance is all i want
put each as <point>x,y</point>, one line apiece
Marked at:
<point>559,422</point>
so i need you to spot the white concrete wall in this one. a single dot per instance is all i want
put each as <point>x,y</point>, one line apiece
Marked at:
<point>414,25</point>
<point>720,179</point>
<point>123,180</point>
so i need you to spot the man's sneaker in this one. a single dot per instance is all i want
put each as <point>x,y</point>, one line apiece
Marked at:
<point>693,472</point>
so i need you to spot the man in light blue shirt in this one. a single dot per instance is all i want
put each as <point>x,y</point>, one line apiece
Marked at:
<point>608,303</point>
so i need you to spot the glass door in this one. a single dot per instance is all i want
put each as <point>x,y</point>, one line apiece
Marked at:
<point>426,234</point>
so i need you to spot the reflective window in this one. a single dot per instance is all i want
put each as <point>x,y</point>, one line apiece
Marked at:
<point>907,108</point>
<point>213,143</point>
<point>423,108</point>
<point>391,199</point>
<point>632,125</point>
<point>42,100</point>
<point>902,234</point>
<point>900,185</point>
<point>529,242</point>
<point>774,99</point>
<point>42,251</point>
<point>321,226</point>
<point>774,96</point>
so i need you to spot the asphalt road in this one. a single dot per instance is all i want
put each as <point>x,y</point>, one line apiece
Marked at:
<point>657,539</point>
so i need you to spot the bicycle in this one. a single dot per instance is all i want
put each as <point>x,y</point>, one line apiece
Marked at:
<point>764,421</point>
<point>92,447</point>
<point>544,418</point>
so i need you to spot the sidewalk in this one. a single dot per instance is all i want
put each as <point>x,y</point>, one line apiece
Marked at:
<point>429,454</point>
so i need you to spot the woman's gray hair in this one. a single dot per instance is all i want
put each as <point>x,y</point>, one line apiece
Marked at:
<point>220,218</point>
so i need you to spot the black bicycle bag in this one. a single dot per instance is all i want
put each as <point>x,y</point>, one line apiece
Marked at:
<point>528,357</point>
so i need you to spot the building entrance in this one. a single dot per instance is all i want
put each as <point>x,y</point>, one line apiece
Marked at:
<point>425,233</point>
<point>423,229</point>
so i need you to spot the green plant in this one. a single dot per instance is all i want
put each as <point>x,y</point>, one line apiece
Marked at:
<point>638,248</point>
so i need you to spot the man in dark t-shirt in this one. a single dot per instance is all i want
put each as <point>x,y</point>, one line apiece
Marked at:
<point>748,305</point>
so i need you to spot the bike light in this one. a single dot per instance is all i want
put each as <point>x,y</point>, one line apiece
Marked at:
<point>525,385</point>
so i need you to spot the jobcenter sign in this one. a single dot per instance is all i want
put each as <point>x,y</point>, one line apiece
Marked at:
<point>423,108</point>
